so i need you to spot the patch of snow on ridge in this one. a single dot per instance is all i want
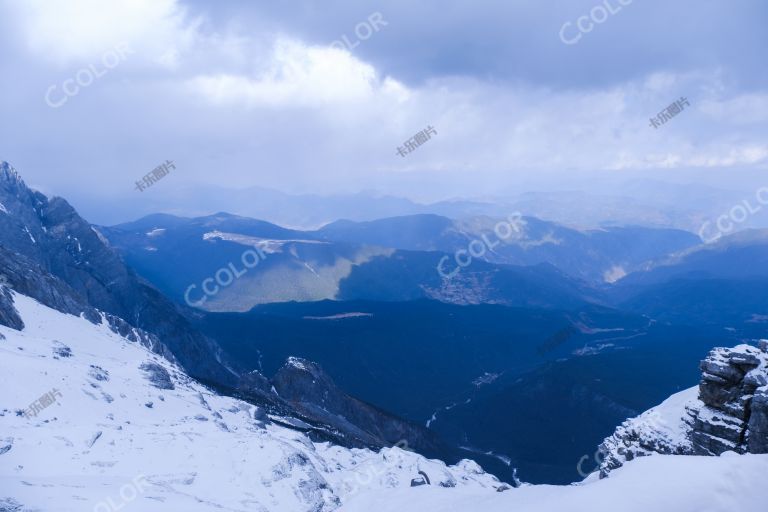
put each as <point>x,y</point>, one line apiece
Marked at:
<point>615,273</point>
<point>3,209</point>
<point>268,245</point>
<point>339,316</point>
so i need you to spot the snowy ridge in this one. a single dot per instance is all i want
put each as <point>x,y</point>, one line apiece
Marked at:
<point>116,420</point>
<point>662,429</point>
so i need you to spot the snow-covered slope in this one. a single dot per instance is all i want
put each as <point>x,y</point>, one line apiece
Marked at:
<point>665,483</point>
<point>662,429</point>
<point>130,431</point>
<point>112,430</point>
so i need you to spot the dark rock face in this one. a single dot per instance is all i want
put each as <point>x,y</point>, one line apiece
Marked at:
<point>8,314</point>
<point>48,252</point>
<point>757,429</point>
<point>303,389</point>
<point>256,384</point>
<point>734,415</point>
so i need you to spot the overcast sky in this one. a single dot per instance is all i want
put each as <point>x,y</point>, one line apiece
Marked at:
<point>243,93</point>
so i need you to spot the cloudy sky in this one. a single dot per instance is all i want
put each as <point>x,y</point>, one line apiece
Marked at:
<point>316,96</point>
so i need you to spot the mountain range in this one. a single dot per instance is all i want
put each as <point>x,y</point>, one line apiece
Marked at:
<point>334,349</point>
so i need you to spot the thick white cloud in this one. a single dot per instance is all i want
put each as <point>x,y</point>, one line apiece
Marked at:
<point>297,75</point>
<point>63,31</point>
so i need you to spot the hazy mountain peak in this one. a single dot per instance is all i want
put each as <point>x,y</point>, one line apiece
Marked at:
<point>9,174</point>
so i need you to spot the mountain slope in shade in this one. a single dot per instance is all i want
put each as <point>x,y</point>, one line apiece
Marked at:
<point>597,256</point>
<point>743,255</point>
<point>721,284</point>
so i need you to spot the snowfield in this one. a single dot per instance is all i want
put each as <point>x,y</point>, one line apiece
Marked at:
<point>662,483</point>
<point>130,431</point>
<point>182,449</point>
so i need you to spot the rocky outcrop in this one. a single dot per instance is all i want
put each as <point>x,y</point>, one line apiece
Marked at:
<point>50,253</point>
<point>728,412</point>
<point>8,314</point>
<point>731,419</point>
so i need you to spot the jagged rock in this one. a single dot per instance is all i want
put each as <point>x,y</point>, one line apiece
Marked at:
<point>157,375</point>
<point>757,441</point>
<point>10,505</point>
<point>418,481</point>
<point>98,373</point>
<point>729,381</point>
<point>61,350</point>
<point>9,317</point>
<point>260,415</point>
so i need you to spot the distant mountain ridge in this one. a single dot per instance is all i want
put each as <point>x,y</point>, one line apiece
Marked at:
<point>521,261</point>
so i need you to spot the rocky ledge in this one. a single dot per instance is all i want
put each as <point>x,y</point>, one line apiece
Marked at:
<point>734,393</point>
<point>728,412</point>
